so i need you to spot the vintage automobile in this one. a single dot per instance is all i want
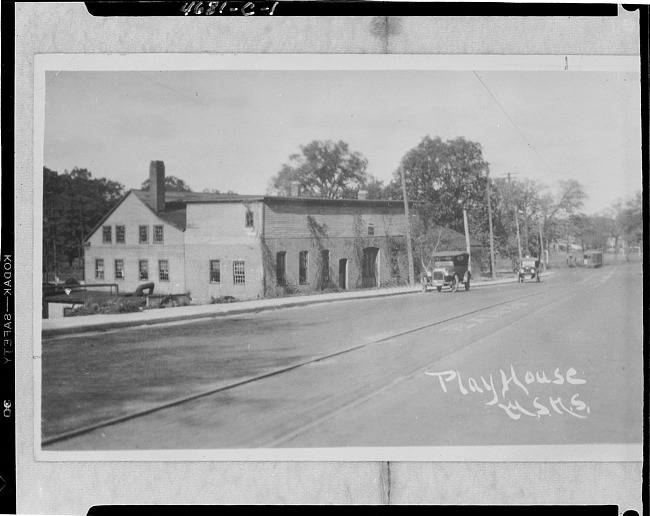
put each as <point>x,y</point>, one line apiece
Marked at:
<point>530,268</point>
<point>450,268</point>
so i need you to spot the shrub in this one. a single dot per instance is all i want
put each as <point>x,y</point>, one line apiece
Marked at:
<point>222,299</point>
<point>113,305</point>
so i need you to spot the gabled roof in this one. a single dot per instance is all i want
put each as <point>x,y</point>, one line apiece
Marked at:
<point>108,214</point>
<point>174,214</point>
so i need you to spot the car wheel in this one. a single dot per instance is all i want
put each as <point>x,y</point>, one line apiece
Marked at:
<point>467,285</point>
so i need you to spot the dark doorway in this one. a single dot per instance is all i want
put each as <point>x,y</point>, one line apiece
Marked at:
<point>369,267</point>
<point>281,267</point>
<point>324,268</point>
<point>343,273</point>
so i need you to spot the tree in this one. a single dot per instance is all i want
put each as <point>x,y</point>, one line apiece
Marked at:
<point>559,208</point>
<point>73,204</point>
<point>172,184</point>
<point>376,189</point>
<point>630,220</point>
<point>323,169</point>
<point>449,175</point>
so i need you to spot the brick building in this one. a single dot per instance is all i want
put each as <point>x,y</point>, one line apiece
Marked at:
<point>247,247</point>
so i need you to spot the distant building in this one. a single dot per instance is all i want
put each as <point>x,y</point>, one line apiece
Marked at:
<point>212,245</point>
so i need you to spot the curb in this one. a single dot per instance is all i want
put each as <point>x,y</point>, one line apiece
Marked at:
<point>307,300</point>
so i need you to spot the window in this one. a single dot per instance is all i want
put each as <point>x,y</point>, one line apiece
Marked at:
<point>281,267</point>
<point>238,273</point>
<point>144,234</point>
<point>249,218</point>
<point>371,229</point>
<point>107,233</point>
<point>303,263</point>
<point>119,234</point>
<point>215,271</point>
<point>99,268</point>
<point>144,269</point>
<point>143,231</point>
<point>325,268</point>
<point>163,270</point>
<point>157,234</point>
<point>119,269</point>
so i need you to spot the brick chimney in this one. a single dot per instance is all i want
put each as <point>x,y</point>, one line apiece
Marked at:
<point>295,189</point>
<point>363,195</point>
<point>157,185</point>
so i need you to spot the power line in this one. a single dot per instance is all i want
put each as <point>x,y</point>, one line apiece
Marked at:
<point>172,90</point>
<point>513,123</point>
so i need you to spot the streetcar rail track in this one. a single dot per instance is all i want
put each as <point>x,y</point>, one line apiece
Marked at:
<point>193,397</point>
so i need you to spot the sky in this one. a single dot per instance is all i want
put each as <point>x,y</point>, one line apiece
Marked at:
<point>233,129</point>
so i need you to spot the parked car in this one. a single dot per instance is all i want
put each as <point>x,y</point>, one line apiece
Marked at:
<point>450,269</point>
<point>529,269</point>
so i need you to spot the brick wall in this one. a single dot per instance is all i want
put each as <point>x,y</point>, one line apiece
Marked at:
<point>343,231</point>
<point>289,220</point>
<point>131,214</point>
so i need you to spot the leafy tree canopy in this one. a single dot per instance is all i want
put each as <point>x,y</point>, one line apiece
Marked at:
<point>73,204</point>
<point>323,169</point>
<point>449,175</point>
<point>172,184</point>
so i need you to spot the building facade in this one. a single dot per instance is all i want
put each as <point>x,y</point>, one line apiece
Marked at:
<point>214,246</point>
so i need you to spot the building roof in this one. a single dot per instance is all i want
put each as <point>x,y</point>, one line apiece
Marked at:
<point>319,201</point>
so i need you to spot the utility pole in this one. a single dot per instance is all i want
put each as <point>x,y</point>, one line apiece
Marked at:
<point>541,245</point>
<point>467,242</point>
<point>409,250</point>
<point>516,219</point>
<point>493,265</point>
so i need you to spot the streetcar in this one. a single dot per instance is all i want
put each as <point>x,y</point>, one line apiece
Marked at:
<point>593,259</point>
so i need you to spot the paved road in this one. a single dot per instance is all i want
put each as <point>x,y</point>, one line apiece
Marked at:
<point>480,367</point>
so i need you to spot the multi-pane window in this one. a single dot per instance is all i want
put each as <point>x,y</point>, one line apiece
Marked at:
<point>144,269</point>
<point>371,229</point>
<point>281,267</point>
<point>325,267</point>
<point>119,269</point>
<point>163,270</point>
<point>157,234</point>
<point>249,218</point>
<point>107,234</point>
<point>238,273</point>
<point>143,232</point>
<point>215,271</point>
<point>99,268</point>
<point>303,265</point>
<point>120,232</point>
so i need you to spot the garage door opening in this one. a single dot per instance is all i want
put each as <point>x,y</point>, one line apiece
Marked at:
<point>370,267</point>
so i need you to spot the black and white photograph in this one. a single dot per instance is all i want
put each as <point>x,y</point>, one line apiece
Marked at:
<point>303,257</point>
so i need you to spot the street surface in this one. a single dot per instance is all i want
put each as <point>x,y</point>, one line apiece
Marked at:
<point>556,362</point>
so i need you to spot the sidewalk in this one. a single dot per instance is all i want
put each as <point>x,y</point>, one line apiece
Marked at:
<point>104,322</point>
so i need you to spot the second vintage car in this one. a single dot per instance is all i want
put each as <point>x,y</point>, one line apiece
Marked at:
<point>530,268</point>
<point>450,269</point>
